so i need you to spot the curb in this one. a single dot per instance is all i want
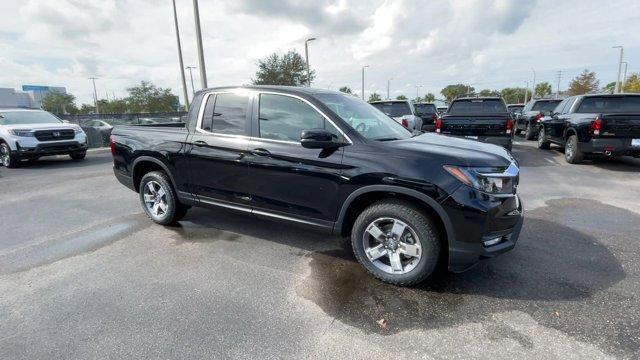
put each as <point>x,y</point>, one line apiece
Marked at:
<point>101,150</point>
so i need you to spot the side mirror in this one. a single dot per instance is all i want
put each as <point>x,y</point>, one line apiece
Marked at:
<point>65,121</point>
<point>319,139</point>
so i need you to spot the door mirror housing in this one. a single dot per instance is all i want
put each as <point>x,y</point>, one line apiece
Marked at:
<point>319,139</point>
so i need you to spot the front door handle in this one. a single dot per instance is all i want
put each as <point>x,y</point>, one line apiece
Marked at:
<point>260,152</point>
<point>200,143</point>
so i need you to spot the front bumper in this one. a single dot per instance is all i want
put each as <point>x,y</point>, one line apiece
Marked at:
<point>484,226</point>
<point>50,148</point>
<point>614,146</point>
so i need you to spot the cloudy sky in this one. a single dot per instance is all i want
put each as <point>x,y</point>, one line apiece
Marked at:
<point>488,43</point>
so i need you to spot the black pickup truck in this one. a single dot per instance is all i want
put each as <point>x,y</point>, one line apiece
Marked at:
<point>484,119</point>
<point>606,125</point>
<point>328,160</point>
<point>532,115</point>
<point>429,114</point>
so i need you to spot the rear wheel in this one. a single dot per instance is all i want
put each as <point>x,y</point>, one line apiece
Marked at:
<point>396,242</point>
<point>528,133</point>
<point>159,200</point>
<point>7,157</point>
<point>543,143</point>
<point>572,154</point>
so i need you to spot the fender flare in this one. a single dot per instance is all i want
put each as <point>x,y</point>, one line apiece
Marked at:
<point>156,161</point>
<point>442,214</point>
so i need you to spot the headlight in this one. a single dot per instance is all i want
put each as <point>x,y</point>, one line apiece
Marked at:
<point>78,130</point>
<point>21,132</point>
<point>486,179</point>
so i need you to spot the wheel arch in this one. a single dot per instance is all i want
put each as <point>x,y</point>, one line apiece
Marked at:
<point>365,196</point>
<point>145,164</point>
<point>570,131</point>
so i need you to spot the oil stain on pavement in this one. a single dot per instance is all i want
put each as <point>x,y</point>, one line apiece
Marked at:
<point>561,276</point>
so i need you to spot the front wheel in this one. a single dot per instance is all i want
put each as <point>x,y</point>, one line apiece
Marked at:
<point>543,143</point>
<point>78,156</point>
<point>159,200</point>
<point>7,157</point>
<point>396,242</point>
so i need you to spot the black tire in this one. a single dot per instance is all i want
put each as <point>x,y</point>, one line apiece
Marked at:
<point>7,157</point>
<point>418,222</point>
<point>174,209</point>
<point>516,132</point>
<point>543,143</point>
<point>572,153</point>
<point>528,133</point>
<point>78,155</point>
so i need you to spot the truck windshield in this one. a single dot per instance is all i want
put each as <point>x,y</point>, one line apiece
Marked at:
<point>610,104</point>
<point>25,117</point>
<point>477,106</point>
<point>426,109</point>
<point>364,118</point>
<point>393,109</point>
<point>545,106</point>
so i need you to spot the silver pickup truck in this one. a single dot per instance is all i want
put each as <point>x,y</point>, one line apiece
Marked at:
<point>30,134</point>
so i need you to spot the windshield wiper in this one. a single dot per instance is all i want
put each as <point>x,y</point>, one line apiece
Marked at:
<point>386,139</point>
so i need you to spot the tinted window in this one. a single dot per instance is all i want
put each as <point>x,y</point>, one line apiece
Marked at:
<point>394,109</point>
<point>545,106</point>
<point>27,117</point>
<point>513,108</point>
<point>477,106</point>
<point>225,114</point>
<point>426,109</point>
<point>610,104</point>
<point>285,117</point>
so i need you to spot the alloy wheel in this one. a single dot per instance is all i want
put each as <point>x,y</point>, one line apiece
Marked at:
<point>392,245</point>
<point>4,155</point>
<point>569,149</point>
<point>541,137</point>
<point>155,199</point>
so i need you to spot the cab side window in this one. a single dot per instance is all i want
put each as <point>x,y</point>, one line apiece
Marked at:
<point>225,113</point>
<point>284,118</point>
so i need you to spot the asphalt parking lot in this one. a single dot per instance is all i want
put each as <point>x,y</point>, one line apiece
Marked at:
<point>84,274</point>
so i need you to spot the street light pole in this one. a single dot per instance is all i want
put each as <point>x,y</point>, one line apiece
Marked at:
<point>624,77</point>
<point>617,90</point>
<point>193,89</point>
<point>184,83</point>
<point>526,92</point>
<point>203,72</point>
<point>417,87</point>
<point>388,86</point>
<point>365,66</point>
<point>95,94</point>
<point>533,87</point>
<point>306,55</point>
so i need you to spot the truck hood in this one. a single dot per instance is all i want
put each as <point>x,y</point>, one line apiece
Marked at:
<point>456,151</point>
<point>40,126</point>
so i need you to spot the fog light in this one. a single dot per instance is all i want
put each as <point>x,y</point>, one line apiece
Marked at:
<point>493,241</point>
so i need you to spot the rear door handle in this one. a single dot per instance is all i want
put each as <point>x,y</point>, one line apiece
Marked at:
<point>200,143</point>
<point>260,152</point>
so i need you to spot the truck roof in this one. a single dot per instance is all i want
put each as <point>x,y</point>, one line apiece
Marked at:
<point>278,88</point>
<point>467,98</point>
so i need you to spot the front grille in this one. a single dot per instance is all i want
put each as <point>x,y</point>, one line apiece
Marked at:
<point>54,135</point>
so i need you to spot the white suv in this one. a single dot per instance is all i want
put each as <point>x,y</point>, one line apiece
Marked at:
<point>401,111</point>
<point>31,134</point>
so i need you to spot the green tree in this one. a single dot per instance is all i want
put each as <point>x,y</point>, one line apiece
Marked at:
<point>632,85</point>
<point>345,89</point>
<point>86,109</point>
<point>584,83</point>
<point>513,95</point>
<point>375,97</point>
<point>488,92</point>
<point>401,97</point>
<point>609,88</point>
<point>450,92</point>
<point>116,106</point>
<point>146,97</point>
<point>543,89</point>
<point>288,69</point>
<point>429,97</point>
<point>59,103</point>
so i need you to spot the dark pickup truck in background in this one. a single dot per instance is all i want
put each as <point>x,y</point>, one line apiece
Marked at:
<point>483,119</point>
<point>532,115</point>
<point>328,160</point>
<point>429,114</point>
<point>606,125</point>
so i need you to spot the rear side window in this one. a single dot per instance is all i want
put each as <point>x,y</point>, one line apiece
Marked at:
<point>394,109</point>
<point>545,106</point>
<point>610,104</point>
<point>225,114</point>
<point>284,118</point>
<point>477,106</point>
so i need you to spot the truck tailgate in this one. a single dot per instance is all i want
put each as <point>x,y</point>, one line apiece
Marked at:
<point>483,125</point>
<point>620,125</point>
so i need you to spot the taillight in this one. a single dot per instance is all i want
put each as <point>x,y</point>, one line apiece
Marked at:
<point>405,123</point>
<point>509,126</point>
<point>438,124</point>
<point>112,145</point>
<point>595,126</point>
<point>538,117</point>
